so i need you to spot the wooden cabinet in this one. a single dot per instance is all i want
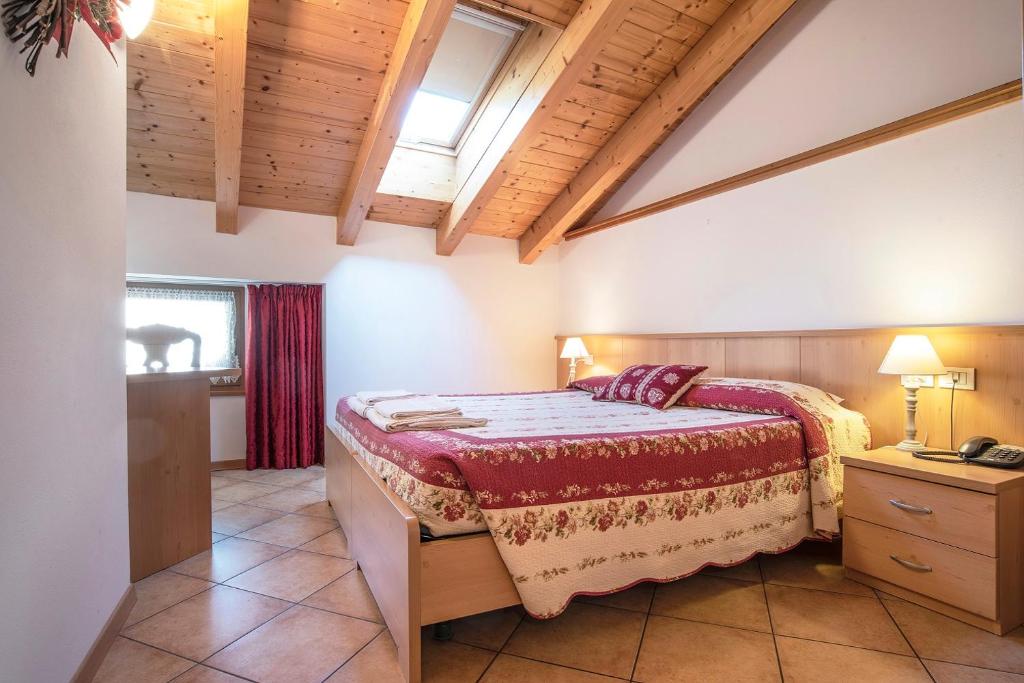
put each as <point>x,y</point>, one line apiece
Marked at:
<point>943,535</point>
<point>168,467</point>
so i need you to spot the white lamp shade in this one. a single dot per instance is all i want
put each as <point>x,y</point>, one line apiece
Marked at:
<point>912,354</point>
<point>574,348</point>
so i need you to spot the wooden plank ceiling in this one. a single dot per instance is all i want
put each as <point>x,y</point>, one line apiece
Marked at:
<point>313,72</point>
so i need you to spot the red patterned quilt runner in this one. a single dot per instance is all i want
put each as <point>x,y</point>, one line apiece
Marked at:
<point>590,497</point>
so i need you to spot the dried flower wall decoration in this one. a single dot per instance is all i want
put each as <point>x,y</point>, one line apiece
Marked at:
<point>37,22</point>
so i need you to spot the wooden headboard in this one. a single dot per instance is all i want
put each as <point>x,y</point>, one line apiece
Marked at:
<point>845,362</point>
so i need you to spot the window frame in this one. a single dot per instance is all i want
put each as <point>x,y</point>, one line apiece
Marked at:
<point>484,91</point>
<point>238,388</point>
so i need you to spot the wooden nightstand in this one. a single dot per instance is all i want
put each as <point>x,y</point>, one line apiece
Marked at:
<point>949,537</point>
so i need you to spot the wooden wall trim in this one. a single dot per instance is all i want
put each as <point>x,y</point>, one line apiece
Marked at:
<point>951,111</point>
<point>98,652</point>
<point>846,362</point>
<point>221,465</point>
<point>830,332</point>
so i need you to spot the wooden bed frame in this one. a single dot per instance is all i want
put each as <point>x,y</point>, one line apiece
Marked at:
<point>414,583</point>
<point>419,583</point>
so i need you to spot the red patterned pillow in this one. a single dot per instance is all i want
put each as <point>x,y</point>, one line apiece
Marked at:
<point>592,384</point>
<point>657,386</point>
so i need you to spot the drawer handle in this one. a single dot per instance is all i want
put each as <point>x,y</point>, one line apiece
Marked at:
<point>910,508</point>
<point>917,567</point>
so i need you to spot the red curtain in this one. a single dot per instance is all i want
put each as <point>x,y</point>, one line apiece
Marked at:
<point>284,386</point>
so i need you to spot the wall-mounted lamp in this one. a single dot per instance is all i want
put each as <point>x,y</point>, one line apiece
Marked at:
<point>911,355</point>
<point>574,349</point>
<point>135,16</point>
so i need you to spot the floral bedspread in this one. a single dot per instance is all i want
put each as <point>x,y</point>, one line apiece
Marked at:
<point>588,497</point>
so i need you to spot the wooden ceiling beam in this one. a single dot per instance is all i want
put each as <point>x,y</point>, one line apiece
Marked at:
<point>574,51</point>
<point>725,43</point>
<point>424,23</point>
<point>231,23</point>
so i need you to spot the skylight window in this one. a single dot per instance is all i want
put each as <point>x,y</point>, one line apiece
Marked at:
<point>434,117</point>
<point>471,51</point>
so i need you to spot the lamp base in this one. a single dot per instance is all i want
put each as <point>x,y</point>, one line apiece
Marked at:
<point>910,445</point>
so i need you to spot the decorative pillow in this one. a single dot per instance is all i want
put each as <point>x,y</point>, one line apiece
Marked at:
<point>657,386</point>
<point>592,384</point>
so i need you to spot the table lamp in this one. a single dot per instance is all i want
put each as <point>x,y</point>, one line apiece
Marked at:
<point>573,350</point>
<point>909,355</point>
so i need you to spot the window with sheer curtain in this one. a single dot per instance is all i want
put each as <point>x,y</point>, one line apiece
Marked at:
<point>214,313</point>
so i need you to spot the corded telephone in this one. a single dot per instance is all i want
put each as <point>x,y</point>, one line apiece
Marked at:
<point>979,450</point>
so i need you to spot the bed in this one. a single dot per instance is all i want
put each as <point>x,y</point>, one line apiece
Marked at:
<point>560,495</point>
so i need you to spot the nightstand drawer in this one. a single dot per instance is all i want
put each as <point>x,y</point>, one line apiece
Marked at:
<point>956,577</point>
<point>965,519</point>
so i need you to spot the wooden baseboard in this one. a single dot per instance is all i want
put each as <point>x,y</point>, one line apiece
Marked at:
<point>115,622</point>
<point>218,465</point>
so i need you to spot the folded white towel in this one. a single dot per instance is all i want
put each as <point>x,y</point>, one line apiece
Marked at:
<point>411,424</point>
<point>418,406</point>
<point>357,406</point>
<point>372,397</point>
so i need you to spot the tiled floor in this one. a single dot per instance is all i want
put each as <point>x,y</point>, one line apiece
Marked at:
<point>278,599</point>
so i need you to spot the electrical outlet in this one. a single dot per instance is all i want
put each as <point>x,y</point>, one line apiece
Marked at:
<point>964,379</point>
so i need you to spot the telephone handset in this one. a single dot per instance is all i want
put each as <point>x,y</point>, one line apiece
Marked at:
<point>979,450</point>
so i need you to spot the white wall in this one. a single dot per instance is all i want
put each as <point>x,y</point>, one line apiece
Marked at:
<point>926,229</point>
<point>396,314</point>
<point>63,467</point>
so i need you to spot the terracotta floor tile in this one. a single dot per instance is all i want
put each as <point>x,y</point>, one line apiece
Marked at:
<point>243,491</point>
<point>288,500</point>
<point>290,530</point>
<point>131,662</point>
<point>161,590</point>
<point>509,669</point>
<point>319,509</point>
<point>944,672</point>
<point>809,569</point>
<point>220,482</point>
<point>935,636</point>
<point>489,630</point>
<point>377,663</point>
<point>201,625</point>
<point>748,571</point>
<point>240,517</point>
<point>714,600</point>
<point>676,650</point>
<point>331,543</point>
<point>293,576</point>
<point>319,485</point>
<point>291,477</point>
<point>204,674</point>
<point>451,662</point>
<point>806,661</point>
<point>834,618</point>
<point>588,637</point>
<point>299,646</point>
<point>242,475</point>
<point>637,598</point>
<point>348,595</point>
<point>228,558</point>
